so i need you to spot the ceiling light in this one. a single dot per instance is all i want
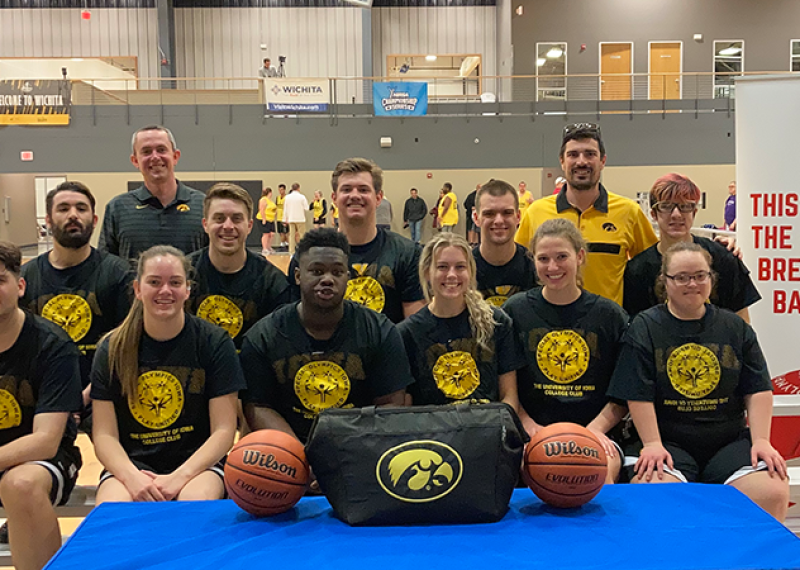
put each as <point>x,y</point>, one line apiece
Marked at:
<point>540,62</point>
<point>430,58</point>
<point>730,51</point>
<point>555,52</point>
<point>77,59</point>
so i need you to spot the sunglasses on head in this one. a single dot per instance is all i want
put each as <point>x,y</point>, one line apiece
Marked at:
<point>588,128</point>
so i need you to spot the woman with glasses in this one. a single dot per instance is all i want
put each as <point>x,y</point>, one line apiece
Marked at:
<point>689,372</point>
<point>673,201</point>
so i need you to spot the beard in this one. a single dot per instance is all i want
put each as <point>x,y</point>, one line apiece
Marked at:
<point>72,239</point>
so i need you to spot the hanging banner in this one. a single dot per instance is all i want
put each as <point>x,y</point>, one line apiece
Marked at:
<point>296,95</point>
<point>31,102</point>
<point>400,98</point>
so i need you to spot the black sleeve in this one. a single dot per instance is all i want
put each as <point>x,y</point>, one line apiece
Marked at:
<point>123,293</point>
<point>634,377</point>
<point>390,368</point>
<point>405,210</point>
<point>276,285</point>
<point>100,376</point>
<point>407,334</point>
<point>259,375</point>
<point>224,371</point>
<point>294,288</point>
<point>324,208</point>
<point>735,289</point>
<point>509,352</point>
<point>60,388</point>
<point>754,376</point>
<point>410,288</point>
<point>636,292</point>
<point>108,234</point>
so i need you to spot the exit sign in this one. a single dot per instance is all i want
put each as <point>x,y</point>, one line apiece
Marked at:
<point>26,156</point>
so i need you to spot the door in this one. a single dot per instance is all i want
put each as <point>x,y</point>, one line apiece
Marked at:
<point>665,70</point>
<point>616,59</point>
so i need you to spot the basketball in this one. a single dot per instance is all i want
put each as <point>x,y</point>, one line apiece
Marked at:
<point>266,472</point>
<point>565,465</point>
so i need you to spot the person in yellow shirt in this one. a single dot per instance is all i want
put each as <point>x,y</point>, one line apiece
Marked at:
<point>525,197</point>
<point>334,212</point>
<point>319,207</point>
<point>448,212</point>
<point>281,228</point>
<point>267,210</point>
<point>615,228</point>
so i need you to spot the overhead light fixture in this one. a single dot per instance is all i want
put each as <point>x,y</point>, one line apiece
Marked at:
<point>555,52</point>
<point>430,58</point>
<point>540,62</point>
<point>77,59</point>
<point>731,50</point>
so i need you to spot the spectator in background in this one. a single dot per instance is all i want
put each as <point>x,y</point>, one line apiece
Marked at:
<point>319,207</point>
<point>437,223</point>
<point>294,215</point>
<point>266,215</point>
<point>469,210</point>
<point>334,212</point>
<point>448,208</point>
<point>413,214</point>
<point>560,181</point>
<point>267,71</point>
<point>525,197</point>
<point>384,214</point>
<point>730,207</point>
<point>280,227</point>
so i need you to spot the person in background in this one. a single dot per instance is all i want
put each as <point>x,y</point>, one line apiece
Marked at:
<point>413,213</point>
<point>267,211</point>
<point>448,209</point>
<point>730,207</point>
<point>469,209</point>
<point>319,209</point>
<point>525,197</point>
<point>267,70</point>
<point>334,212</point>
<point>437,222</point>
<point>384,215</point>
<point>559,184</point>
<point>294,215</point>
<point>280,226</point>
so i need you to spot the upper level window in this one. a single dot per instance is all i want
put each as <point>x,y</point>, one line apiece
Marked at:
<point>794,55</point>
<point>551,66</point>
<point>728,61</point>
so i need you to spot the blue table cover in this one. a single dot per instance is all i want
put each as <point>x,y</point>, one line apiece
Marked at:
<point>642,527</point>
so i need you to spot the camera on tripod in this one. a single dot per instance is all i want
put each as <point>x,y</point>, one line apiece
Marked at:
<point>282,58</point>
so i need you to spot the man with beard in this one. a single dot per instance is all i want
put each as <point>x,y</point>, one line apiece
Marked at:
<point>85,291</point>
<point>503,267</point>
<point>615,228</point>
<point>162,211</point>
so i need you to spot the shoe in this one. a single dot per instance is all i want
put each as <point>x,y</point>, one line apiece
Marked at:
<point>4,533</point>
<point>264,252</point>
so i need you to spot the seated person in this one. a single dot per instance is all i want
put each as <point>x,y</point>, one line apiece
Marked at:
<point>321,352</point>
<point>690,371</point>
<point>460,347</point>
<point>571,340</point>
<point>41,387</point>
<point>673,202</point>
<point>164,386</point>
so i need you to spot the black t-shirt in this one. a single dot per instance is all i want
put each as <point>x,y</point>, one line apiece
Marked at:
<point>734,289</point>
<point>571,351</point>
<point>469,204</point>
<point>497,283</point>
<point>384,274</point>
<point>696,373</point>
<point>236,301</point>
<point>87,300</point>
<point>169,419</point>
<point>39,374</point>
<point>447,363</point>
<point>297,376</point>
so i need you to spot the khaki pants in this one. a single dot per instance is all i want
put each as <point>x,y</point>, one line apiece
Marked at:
<point>296,231</point>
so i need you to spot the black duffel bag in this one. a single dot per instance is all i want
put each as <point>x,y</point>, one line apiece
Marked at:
<point>418,465</point>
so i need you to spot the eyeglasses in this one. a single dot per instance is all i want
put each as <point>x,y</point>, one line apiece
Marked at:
<point>591,129</point>
<point>668,207</point>
<point>684,278</point>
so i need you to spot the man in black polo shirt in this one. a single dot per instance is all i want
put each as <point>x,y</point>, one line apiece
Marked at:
<point>503,267</point>
<point>162,210</point>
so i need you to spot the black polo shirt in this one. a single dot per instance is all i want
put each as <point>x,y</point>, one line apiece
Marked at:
<point>136,221</point>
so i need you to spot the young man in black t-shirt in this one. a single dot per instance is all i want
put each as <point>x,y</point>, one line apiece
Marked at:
<point>384,266</point>
<point>231,286</point>
<point>322,352</point>
<point>504,267</point>
<point>85,291</point>
<point>39,389</point>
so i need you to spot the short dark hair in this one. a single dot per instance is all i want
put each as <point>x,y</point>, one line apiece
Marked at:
<point>11,257</point>
<point>496,188</point>
<point>322,237</point>
<point>70,186</point>
<point>281,186</point>
<point>228,191</point>
<point>354,166</point>
<point>448,185</point>
<point>266,59</point>
<point>582,131</point>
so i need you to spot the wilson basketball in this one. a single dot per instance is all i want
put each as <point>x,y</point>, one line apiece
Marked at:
<point>266,472</point>
<point>565,465</point>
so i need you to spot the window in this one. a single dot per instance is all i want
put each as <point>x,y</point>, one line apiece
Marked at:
<point>551,66</point>
<point>794,55</point>
<point>728,61</point>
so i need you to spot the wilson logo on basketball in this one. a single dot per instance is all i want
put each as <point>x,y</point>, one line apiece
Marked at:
<point>251,457</point>
<point>419,471</point>
<point>556,448</point>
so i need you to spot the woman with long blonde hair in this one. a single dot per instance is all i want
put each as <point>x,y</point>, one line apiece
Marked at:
<point>164,386</point>
<point>460,347</point>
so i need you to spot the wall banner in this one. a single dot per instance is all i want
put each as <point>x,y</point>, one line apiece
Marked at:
<point>32,102</point>
<point>400,98</point>
<point>284,95</point>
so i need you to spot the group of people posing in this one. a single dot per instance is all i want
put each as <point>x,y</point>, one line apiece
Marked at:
<point>149,360</point>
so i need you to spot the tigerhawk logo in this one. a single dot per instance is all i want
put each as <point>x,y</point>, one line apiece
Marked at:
<point>419,471</point>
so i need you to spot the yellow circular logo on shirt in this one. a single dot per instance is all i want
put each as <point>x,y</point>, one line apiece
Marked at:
<point>456,374</point>
<point>693,370</point>
<point>366,291</point>
<point>159,400</point>
<point>71,312</point>
<point>10,412</point>
<point>222,312</point>
<point>562,356</point>
<point>321,385</point>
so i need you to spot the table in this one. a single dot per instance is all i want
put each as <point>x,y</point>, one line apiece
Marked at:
<point>643,527</point>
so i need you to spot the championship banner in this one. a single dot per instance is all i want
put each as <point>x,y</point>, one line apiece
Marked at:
<point>31,102</point>
<point>296,95</point>
<point>400,98</point>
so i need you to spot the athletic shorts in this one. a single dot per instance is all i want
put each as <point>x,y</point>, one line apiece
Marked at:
<point>63,469</point>
<point>729,463</point>
<point>217,468</point>
<point>282,228</point>
<point>267,227</point>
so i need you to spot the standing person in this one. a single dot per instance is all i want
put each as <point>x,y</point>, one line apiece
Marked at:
<point>614,227</point>
<point>448,208</point>
<point>414,213</point>
<point>319,209</point>
<point>571,340</point>
<point>384,214</point>
<point>730,207</point>
<point>469,209</point>
<point>323,351</point>
<point>437,222</point>
<point>232,288</point>
<point>460,347</point>
<point>674,200</point>
<point>503,267</point>
<point>164,386</point>
<point>39,462</point>
<point>525,197</point>
<point>280,226</point>
<point>294,215</point>
<point>267,71</point>
<point>334,212</point>
<point>266,215</point>
<point>84,291</point>
<point>690,371</point>
<point>163,210</point>
<point>559,184</point>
